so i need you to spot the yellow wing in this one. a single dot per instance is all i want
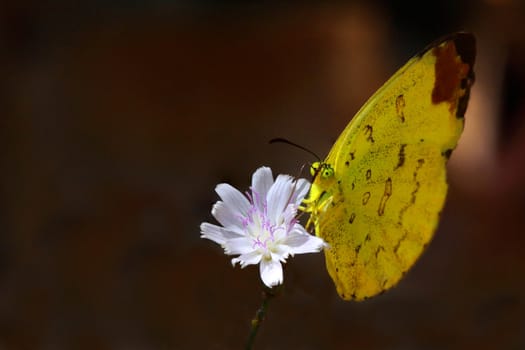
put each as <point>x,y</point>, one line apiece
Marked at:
<point>378,195</point>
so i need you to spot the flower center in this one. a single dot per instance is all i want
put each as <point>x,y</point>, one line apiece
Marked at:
<point>259,226</point>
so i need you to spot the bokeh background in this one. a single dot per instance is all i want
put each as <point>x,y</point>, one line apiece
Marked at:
<point>118,118</point>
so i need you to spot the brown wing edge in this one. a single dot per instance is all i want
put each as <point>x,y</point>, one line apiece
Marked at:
<point>466,48</point>
<point>454,79</point>
<point>465,45</point>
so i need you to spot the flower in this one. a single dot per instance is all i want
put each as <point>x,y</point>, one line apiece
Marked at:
<point>261,227</point>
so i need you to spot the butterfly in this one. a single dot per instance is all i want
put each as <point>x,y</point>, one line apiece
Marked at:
<point>377,197</point>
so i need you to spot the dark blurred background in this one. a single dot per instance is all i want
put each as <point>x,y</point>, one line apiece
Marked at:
<point>118,118</point>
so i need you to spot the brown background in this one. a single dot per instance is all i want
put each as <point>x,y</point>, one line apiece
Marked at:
<point>118,121</point>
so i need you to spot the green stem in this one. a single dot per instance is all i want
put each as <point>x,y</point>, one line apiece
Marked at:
<point>268,294</point>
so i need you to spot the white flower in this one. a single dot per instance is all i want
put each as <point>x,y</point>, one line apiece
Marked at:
<point>261,227</point>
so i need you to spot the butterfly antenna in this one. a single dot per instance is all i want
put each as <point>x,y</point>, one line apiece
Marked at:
<point>282,140</point>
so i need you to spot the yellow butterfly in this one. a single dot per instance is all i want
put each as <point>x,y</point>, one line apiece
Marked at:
<point>377,197</point>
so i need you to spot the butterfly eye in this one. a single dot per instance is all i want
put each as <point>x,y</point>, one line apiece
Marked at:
<point>328,171</point>
<point>314,168</point>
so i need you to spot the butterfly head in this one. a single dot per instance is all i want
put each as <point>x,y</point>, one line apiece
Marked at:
<point>320,195</point>
<point>322,169</point>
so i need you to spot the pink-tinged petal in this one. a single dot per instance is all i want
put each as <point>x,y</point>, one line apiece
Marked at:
<point>280,234</point>
<point>289,214</point>
<point>233,199</point>
<point>227,217</point>
<point>301,243</point>
<point>262,181</point>
<point>251,258</point>
<point>241,245</point>
<point>301,189</point>
<point>271,272</point>
<point>279,196</point>
<point>217,234</point>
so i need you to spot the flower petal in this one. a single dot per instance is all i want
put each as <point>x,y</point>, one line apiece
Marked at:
<point>227,217</point>
<point>216,233</point>
<point>251,258</point>
<point>281,253</point>
<point>301,189</point>
<point>278,197</point>
<point>262,181</point>
<point>302,242</point>
<point>288,216</point>
<point>242,245</point>
<point>233,199</point>
<point>271,272</point>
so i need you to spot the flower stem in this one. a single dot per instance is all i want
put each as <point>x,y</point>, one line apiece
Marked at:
<point>268,294</point>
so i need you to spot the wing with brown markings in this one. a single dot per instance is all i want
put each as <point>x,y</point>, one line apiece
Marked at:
<point>381,207</point>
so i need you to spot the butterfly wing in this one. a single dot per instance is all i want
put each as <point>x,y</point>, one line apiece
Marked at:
<point>381,207</point>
